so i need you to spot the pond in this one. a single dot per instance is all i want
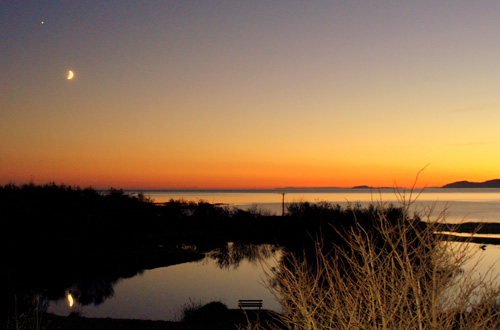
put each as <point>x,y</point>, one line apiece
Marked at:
<point>161,293</point>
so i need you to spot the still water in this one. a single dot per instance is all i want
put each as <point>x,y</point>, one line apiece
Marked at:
<point>160,294</point>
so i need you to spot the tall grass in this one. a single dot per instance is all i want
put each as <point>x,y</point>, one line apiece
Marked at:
<point>27,313</point>
<point>396,275</point>
<point>196,311</point>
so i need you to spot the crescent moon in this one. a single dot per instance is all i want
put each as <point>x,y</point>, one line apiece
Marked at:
<point>70,74</point>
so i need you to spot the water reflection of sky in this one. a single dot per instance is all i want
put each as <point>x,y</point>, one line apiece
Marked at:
<point>160,294</point>
<point>470,235</point>
<point>485,260</point>
<point>489,257</point>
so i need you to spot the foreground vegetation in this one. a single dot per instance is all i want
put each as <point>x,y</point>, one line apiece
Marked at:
<point>395,275</point>
<point>346,268</point>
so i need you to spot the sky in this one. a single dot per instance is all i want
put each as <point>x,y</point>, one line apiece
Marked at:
<point>249,94</point>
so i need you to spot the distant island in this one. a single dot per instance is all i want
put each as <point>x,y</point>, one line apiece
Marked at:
<point>370,187</point>
<point>466,184</point>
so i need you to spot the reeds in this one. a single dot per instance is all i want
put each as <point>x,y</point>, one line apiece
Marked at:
<point>27,313</point>
<point>196,311</point>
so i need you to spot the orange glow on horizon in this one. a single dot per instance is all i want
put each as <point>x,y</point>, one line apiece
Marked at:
<point>151,170</point>
<point>376,179</point>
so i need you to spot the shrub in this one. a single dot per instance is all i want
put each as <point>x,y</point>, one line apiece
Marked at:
<point>396,275</point>
<point>197,312</point>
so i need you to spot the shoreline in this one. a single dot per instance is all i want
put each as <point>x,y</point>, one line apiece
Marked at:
<point>228,320</point>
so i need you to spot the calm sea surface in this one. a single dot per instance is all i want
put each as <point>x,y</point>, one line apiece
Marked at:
<point>160,294</point>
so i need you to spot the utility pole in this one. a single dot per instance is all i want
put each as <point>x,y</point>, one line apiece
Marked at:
<point>283,204</point>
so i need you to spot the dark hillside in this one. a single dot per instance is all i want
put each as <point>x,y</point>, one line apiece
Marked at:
<point>466,184</point>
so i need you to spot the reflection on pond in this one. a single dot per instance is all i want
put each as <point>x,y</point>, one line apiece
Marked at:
<point>91,291</point>
<point>232,254</point>
<point>468,235</point>
<point>228,273</point>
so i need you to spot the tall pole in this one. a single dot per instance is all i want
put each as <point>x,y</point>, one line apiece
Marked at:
<point>283,204</point>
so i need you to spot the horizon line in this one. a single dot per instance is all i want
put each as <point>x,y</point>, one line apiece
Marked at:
<point>277,189</point>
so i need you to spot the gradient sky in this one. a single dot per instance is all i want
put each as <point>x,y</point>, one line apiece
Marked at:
<point>249,94</point>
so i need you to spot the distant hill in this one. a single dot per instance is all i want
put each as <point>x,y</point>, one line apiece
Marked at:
<point>370,187</point>
<point>466,184</point>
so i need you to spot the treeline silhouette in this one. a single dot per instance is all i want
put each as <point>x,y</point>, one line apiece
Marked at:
<point>55,224</point>
<point>71,218</point>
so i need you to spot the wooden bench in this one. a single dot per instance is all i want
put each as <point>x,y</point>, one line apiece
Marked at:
<point>250,304</point>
